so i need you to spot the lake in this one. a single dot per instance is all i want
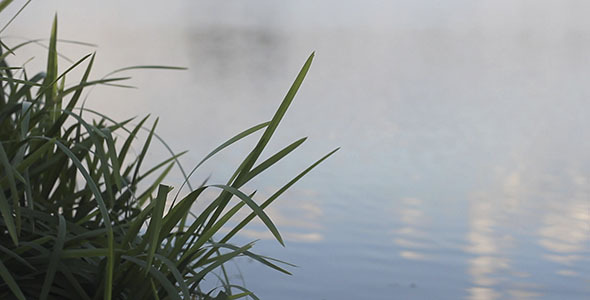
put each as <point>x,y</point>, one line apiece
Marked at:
<point>464,169</point>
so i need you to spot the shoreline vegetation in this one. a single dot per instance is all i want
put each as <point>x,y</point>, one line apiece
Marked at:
<point>82,218</point>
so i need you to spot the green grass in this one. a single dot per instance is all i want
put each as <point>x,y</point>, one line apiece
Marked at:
<point>79,218</point>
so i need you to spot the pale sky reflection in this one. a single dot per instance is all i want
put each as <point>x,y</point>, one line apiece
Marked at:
<point>492,267</point>
<point>486,245</point>
<point>288,236</point>
<point>530,201</point>
<point>564,233</point>
<point>412,237</point>
<point>482,293</point>
<point>412,255</point>
<point>568,273</point>
<point>521,294</point>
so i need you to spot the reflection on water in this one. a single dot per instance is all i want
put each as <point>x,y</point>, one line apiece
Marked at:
<point>533,205</point>
<point>464,171</point>
<point>490,264</point>
<point>491,267</point>
<point>565,234</point>
<point>412,236</point>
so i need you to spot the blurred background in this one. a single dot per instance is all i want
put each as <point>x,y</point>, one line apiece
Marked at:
<point>464,171</point>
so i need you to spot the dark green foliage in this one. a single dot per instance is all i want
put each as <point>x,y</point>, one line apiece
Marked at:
<point>77,220</point>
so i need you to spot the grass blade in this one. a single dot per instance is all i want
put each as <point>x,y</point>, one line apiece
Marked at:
<point>153,67</point>
<point>273,159</point>
<point>219,260</point>
<point>141,156</point>
<point>3,5</point>
<point>59,123</point>
<point>73,281</point>
<point>274,196</point>
<point>176,273</point>
<point>55,258</point>
<point>256,210</point>
<point>156,224</point>
<point>179,211</point>
<point>77,253</point>
<point>276,119</point>
<point>11,174</point>
<point>16,257</point>
<point>50,90</point>
<point>161,278</point>
<point>73,66</point>
<point>251,159</point>
<point>227,143</point>
<point>2,78</point>
<point>9,280</point>
<point>253,256</point>
<point>104,212</point>
<point>93,82</point>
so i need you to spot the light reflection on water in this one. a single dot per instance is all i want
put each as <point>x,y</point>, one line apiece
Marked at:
<point>464,171</point>
<point>412,236</point>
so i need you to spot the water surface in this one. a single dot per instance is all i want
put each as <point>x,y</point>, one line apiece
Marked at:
<point>464,170</point>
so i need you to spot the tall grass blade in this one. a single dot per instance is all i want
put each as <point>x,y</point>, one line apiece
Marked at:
<point>273,159</point>
<point>274,196</point>
<point>161,278</point>
<point>131,138</point>
<point>256,210</point>
<point>3,5</point>
<point>74,99</point>
<point>176,273</point>
<point>93,82</point>
<point>55,258</point>
<point>179,211</point>
<point>6,212</point>
<point>245,290</point>
<point>11,174</point>
<point>17,258</point>
<point>253,256</point>
<point>9,280</point>
<point>276,119</point>
<point>155,226</point>
<point>105,215</point>
<point>15,80</point>
<point>226,144</point>
<point>152,67</point>
<point>50,90</point>
<point>219,260</point>
<point>143,152</point>
<point>251,159</point>
<point>73,281</point>
<point>62,76</point>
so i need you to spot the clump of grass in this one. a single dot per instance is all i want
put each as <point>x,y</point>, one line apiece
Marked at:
<point>78,220</point>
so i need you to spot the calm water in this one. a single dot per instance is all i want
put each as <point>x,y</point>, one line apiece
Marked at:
<point>464,171</point>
